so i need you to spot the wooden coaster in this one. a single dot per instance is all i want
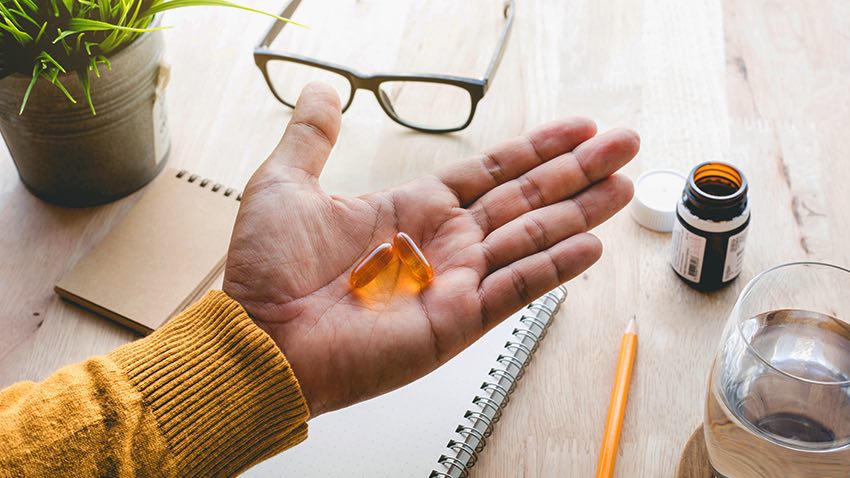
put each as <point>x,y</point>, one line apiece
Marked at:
<point>694,462</point>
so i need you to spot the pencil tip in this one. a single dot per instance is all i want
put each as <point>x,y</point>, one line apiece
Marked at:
<point>632,327</point>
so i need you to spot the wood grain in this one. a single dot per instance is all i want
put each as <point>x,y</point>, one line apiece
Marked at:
<point>760,83</point>
<point>694,462</point>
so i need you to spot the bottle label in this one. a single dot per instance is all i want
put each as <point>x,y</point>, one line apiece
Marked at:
<point>688,252</point>
<point>734,256</point>
<point>707,225</point>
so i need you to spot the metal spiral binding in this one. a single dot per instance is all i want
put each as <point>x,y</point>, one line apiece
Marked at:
<point>455,445</point>
<point>519,346</point>
<point>510,359</point>
<point>466,432</point>
<point>437,474</point>
<point>453,463</point>
<point>206,181</point>
<point>522,333</point>
<point>459,446</point>
<point>472,435</point>
<point>532,320</point>
<point>487,402</point>
<point>488,386</point>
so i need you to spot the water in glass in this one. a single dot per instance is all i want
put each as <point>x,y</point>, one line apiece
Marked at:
<point>779,398</point>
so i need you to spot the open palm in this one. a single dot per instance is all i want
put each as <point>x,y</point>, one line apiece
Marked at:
<point>500,230</point>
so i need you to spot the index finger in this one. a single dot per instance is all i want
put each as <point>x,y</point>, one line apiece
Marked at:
<point>470,179</point>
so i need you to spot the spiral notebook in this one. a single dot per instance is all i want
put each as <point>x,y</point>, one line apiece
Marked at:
<point>432,428</point>
<point>162,256</point>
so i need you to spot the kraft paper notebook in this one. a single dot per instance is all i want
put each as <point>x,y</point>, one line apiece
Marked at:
<point>432,428</point>
<point>161,257</point>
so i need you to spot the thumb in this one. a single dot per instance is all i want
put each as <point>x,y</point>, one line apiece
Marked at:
<point>310,135</point>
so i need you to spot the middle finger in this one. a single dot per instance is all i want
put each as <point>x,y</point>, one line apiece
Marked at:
<point>556,180</point>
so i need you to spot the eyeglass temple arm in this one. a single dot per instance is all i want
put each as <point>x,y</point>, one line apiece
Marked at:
<point>510,8</point>
<point>278,25</point>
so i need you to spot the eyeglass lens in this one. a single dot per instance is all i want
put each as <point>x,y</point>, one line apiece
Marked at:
<point>288,78</point>
<point>425,104</point>
<point>428,105</point>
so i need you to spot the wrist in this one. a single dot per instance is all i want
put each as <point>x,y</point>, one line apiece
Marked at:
<point>300,360</point>
<point>217,385</point>
<point>290,350</point>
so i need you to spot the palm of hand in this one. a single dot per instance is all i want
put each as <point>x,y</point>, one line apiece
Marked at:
<point>294,246</point>
<point>302,284</point>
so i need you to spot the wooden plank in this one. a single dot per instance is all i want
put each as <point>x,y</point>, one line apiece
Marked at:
<point>759,83</point>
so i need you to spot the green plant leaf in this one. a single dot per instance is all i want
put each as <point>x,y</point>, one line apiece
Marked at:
<point>59,37</point>
<point>8,18</point>
<point>49,59</point>
<point>67,47</point>
<point>53,77</point>
<point>86,83</point>
<point>31,4</point>
<point>94,64</point>
<point>78,25</point>
<point>172,4</point>
<point>41,32</point>
<point>20,36</point>
<point>36,71</point>
<point>79,41</point>
<point>23,15</point>
<point>105,61</point>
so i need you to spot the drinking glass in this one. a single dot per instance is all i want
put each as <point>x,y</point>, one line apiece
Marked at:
<point>779,391</point>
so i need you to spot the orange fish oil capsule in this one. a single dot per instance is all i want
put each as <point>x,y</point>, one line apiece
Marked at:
<point>413,258</point>
<point>370,266</point>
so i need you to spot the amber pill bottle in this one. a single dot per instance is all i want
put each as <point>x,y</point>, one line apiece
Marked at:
<point>710,230</point>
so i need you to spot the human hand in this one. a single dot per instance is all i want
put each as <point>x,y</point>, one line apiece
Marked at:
<point>499,229</point>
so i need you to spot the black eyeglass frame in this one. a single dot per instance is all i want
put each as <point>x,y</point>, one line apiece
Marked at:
<point>475,87</point>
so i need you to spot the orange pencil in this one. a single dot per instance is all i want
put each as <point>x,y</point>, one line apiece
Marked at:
<point>617,408</point>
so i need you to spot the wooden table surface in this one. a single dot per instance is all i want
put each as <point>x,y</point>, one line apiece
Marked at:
<point>760,83</point>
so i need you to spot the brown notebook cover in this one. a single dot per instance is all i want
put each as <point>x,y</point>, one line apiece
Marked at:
<point>161,257</point>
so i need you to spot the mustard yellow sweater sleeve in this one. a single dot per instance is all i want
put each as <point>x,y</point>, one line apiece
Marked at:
<point>209,394</point>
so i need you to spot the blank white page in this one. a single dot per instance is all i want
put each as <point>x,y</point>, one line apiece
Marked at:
<point>400,434</point>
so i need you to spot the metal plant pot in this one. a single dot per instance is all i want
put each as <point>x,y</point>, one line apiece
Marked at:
<point>67,156</point>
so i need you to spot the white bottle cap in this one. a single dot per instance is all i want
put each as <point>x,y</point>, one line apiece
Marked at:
<point>657,192</point>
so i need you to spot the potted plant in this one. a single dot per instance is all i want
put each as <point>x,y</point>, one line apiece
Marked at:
<point>81,94</point>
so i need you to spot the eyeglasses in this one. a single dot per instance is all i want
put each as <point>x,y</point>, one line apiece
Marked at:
<point>424,102</point>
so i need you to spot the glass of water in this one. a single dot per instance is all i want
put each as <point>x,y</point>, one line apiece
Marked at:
<point>779,393</point>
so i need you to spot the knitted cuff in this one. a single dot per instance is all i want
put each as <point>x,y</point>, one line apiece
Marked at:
<point>222,392</point>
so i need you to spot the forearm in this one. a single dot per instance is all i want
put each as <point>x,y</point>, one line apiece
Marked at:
<point>209,394</point>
